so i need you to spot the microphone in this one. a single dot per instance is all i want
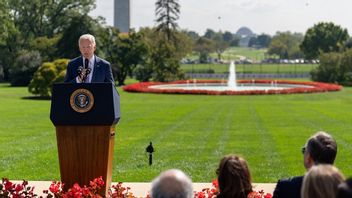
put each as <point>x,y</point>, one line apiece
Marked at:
<point>84,71</point>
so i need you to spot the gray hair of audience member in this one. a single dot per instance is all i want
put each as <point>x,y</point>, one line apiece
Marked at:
<point>344,190</point>
<point>321,181</point>
<point>89,37</point>
<point>322,148</point>
<point>172,183</point>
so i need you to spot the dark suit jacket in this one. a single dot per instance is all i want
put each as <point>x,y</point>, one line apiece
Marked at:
<point>101,73</point>
<point>288,188</point>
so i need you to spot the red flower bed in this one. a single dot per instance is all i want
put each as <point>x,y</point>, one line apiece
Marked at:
<point>145,87</point>
<point>12,190</point>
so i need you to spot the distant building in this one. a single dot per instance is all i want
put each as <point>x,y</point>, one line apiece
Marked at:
<point>244,34</point>
<point>122,15</point>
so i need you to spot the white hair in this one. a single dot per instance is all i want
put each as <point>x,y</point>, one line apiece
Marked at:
<point>89,37</point>
<point>172,183</point>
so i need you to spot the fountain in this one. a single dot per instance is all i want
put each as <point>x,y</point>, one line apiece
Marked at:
<point>216,87</point>
<point>232,83</point>
<point>219,86</point>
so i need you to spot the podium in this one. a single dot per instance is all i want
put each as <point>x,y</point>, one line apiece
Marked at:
<point>85,116</point>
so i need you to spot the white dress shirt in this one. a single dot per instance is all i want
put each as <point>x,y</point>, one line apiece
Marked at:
<point>91,66</point>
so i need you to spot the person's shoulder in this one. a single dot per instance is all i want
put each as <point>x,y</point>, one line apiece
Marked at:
<point>291,180</point>
<point>289,187</point>
<point>74,60</point>
<point>290,183</point>
<point>102,61</point>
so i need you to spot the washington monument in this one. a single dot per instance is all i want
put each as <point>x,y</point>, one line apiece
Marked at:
<point>122,15</point>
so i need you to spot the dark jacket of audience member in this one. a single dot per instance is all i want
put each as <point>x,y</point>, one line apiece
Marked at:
<point>344,190</point>
<point>234,178</point>
<point>321,148</point>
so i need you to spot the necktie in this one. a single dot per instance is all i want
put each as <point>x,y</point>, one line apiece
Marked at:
<point>86,63</point>
<point>86,66</point>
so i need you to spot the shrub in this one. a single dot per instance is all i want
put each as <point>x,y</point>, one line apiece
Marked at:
<point>334,67</point>
<point>24,67</point>
<point>47,74</point>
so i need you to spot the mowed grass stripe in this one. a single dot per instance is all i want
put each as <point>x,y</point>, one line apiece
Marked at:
<point>175,143</point>
<point>190,132</point>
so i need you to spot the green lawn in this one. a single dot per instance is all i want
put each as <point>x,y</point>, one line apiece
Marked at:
<point>189,132</point>
<point>235,53</point>
<point>249,68</point>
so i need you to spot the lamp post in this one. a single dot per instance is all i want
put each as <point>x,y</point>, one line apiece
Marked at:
<point>150,150</point>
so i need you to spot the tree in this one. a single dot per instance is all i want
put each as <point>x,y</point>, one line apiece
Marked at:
<point>46,18</point>
<point>24,67</point>
<point>167,12</point>
<point>166,49</point>
<point>47,74</point>
<point>9,37</point>
<point>263,40</point>
<point>235,41</point>
<point>169,67</point>
<point>45,46</point>
<point>192,34</point>
<point>253,42</point>
<point>348,43</point>
<point>36,26</point>
<point>204,46</point>
<point>286,45</point>
<point>209,33</point>
<point>220,45</point>
<point>227,36</point>
<point>79,24</point>
<point>124,51</point>
<point>335,67</point>
<point>323,37</point>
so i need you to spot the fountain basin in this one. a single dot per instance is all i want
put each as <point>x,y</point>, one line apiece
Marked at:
<point>244,87</point>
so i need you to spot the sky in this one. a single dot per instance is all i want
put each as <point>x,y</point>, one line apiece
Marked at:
<point>261,16</point>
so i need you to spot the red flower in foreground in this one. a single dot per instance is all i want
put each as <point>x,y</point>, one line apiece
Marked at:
<point>8,189</point>
<point>8,185</point>
<point>208,192</point>
<point>259,194</point>
<point>215,183</point>
<point>55,187</point>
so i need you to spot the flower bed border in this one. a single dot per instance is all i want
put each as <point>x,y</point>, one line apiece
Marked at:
<point>144,87</point>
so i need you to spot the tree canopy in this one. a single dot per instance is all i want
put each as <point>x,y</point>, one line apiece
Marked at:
<point>286,45</point>
<point>323,37</point>
<point>40,25</point>
<point>167,12</point>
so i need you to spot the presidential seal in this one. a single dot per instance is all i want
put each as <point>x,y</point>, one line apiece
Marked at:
<point>82,100</point>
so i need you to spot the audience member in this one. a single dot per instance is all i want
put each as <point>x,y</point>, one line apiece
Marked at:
<point>321,148</point>
<point>344,190</point>
<point>234,178</point>
<point>172,183</point>
<point>321,181</point>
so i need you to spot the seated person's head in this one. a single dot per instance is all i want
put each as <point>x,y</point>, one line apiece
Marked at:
<point>344,190</point>
<point>172,183</point>
<point>321,181</point>
<point>234,177</point>
<point>321,148</point>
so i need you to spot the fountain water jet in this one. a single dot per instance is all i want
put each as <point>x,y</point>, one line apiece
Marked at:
<point>231,83</point>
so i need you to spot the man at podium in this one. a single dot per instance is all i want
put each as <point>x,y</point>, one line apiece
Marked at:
<point>88,67</point>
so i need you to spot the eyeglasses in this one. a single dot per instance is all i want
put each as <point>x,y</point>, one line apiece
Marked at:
<point>303,150</point>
